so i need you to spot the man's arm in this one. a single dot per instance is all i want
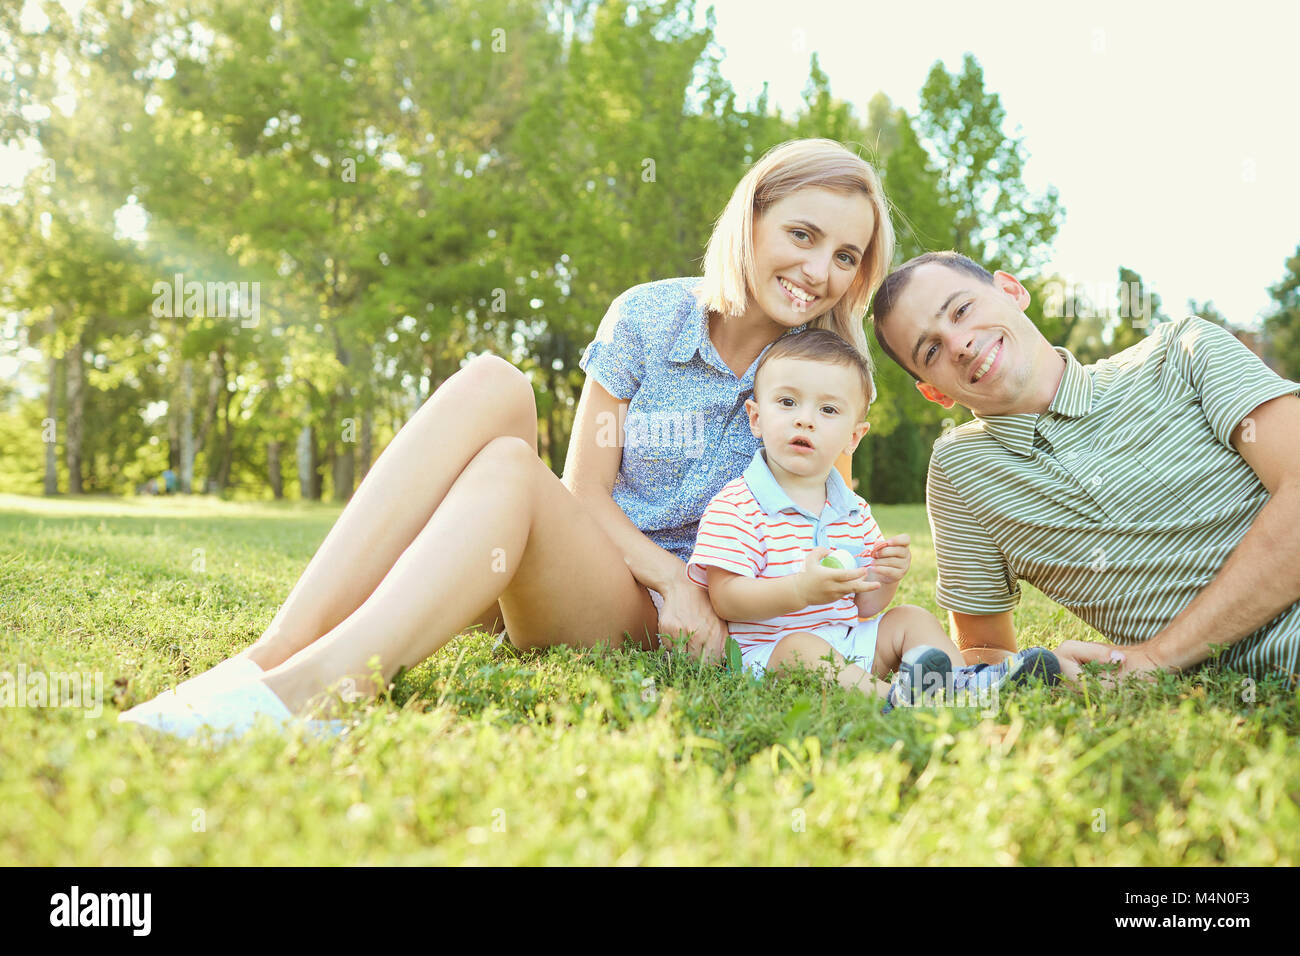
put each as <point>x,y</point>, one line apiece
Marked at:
<point>1262,576</point>
<point>844,465</point>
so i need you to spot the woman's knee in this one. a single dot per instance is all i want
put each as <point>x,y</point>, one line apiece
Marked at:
<point>507,456</point>
<point>503,382</point>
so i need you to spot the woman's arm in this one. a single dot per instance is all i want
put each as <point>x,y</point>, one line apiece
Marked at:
<point>589,472</point>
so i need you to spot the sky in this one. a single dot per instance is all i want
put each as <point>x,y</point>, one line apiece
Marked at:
<point>1170,129</point>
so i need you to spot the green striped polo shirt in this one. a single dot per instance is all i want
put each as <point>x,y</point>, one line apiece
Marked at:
<point>1122,501</point>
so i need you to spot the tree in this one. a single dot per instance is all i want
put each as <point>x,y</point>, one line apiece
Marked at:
<point>996,219</point>
<point>1283,326</point>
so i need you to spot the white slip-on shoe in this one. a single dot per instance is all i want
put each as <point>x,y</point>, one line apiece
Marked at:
<point>228,673</point>
<point>229,712</point>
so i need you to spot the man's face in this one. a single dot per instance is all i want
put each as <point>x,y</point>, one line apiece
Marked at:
<point>807,413</point>
<point>969,342</point>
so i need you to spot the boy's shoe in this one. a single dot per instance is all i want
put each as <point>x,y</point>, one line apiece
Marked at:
<point>923,673</point>
<point>983,681</point>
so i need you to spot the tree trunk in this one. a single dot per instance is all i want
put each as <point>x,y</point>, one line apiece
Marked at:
<point>344,469</point>
<point>227,441</point>
<point>367,441</point>
<point>306,467</point>
<point>320,458</point>
<point>76,410</point>
<point>344,448</point>
<point>187,426</point>
<point>174,434</point>
<point>209,431</point>
<point>273,469</point>
<point>555,445</point>
<point>50,431</point>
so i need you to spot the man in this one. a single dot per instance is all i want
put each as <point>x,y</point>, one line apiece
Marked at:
<point>1155,494</point>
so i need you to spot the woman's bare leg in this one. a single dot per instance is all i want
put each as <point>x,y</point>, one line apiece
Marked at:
<point>486,399</point>
<point>508,529</point>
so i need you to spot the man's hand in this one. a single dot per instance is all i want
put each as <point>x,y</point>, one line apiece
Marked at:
<point>1137,662</point>
<point>1134,661</point>
<point>687,610</point>
<point>1074,654</point>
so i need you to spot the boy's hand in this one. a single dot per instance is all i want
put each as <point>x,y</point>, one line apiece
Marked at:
<point>818,584</point>
<point>893,558</point>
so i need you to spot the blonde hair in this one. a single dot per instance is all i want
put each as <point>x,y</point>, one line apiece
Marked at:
<point>783,169</point>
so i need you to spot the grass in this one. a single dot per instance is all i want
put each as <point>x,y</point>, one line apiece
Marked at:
<point>603,757</point>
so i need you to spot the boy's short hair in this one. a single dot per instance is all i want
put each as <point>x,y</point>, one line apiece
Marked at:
<point>822,345</point>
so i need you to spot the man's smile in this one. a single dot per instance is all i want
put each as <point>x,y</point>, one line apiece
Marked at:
<point>990,357</point>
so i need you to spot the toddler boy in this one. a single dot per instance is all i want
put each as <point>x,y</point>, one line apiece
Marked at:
<point>762,539</point>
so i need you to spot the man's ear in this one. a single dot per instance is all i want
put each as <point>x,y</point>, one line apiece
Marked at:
<point>934,395</point>
<point>1012,287</point>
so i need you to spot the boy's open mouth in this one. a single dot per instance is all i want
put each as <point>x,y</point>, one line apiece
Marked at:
<point>801,443</point>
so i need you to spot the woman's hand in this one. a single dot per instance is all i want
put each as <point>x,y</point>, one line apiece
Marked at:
<point>688,610</point>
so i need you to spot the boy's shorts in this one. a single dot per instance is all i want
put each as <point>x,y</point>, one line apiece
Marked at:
<point>856,644</point>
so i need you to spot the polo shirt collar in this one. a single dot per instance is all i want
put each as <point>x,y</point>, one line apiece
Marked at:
<point>772,498</point>
<point>1074,397</point>
<point>1073,400</point>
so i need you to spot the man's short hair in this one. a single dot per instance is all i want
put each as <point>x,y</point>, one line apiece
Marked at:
<point>822,345</point>
<point>896,282</point>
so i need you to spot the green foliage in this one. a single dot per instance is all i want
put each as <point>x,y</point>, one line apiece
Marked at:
<point>1283,326</point>
<point>997,221</point>
<point>411,185</point>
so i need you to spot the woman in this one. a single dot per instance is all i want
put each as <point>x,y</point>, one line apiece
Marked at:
<point>460,524</point>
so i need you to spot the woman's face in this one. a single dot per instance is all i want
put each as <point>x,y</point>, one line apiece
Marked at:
<point>807,250</point>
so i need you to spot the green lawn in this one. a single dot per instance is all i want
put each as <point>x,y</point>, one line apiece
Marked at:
<point>609,757</point>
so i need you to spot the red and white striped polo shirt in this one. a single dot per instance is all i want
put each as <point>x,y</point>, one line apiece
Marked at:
<point>752,527</point>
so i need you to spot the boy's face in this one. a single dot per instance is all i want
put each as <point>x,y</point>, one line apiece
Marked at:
<point>807,414</point>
